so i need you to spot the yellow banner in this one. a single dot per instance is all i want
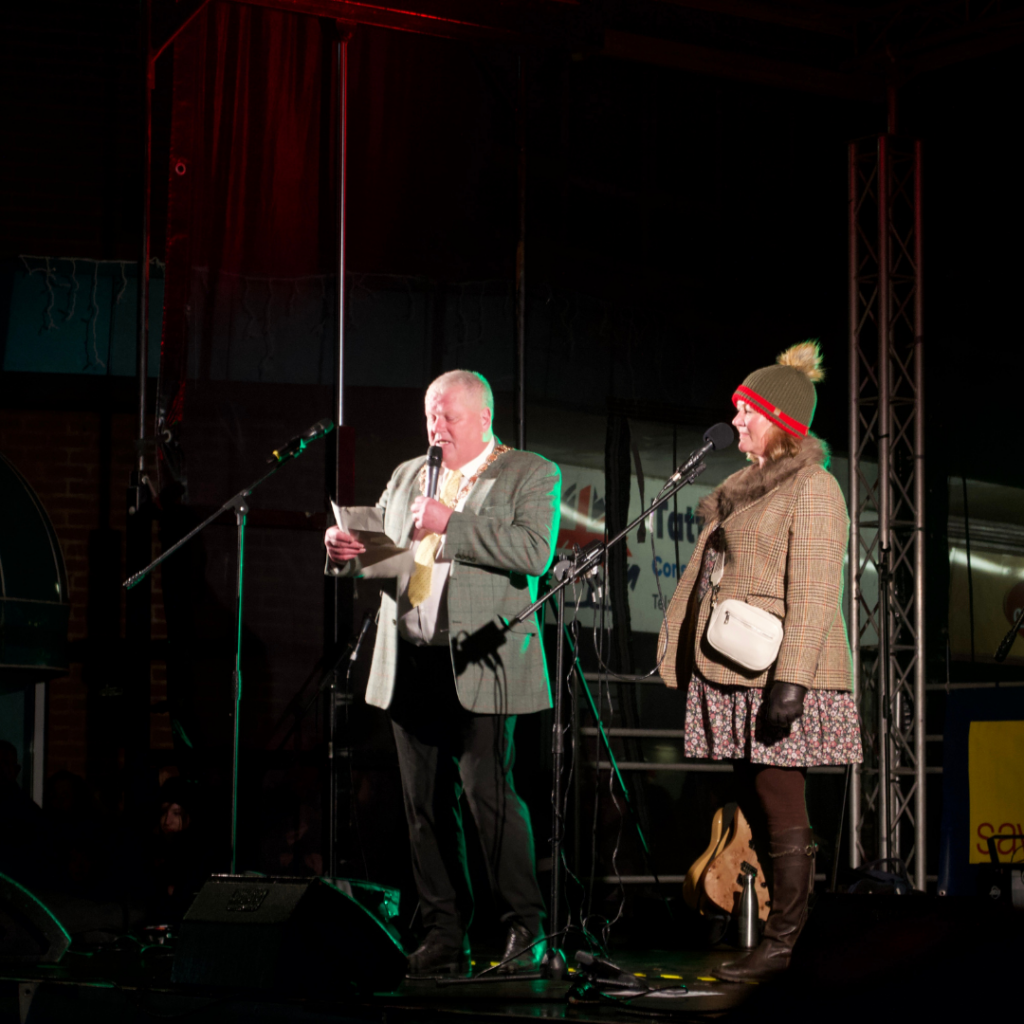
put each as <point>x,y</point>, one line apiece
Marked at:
<point>995,752</point>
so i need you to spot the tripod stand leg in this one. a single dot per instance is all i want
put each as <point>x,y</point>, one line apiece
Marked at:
<point>554,962</point>
<point>607,743</point>
<point>240,514</point>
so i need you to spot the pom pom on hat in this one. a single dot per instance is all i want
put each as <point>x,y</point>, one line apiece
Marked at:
<point>785,392</point>
<point>806,357</point>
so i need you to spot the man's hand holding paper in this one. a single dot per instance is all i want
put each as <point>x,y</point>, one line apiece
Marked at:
<point>360,535</point>
<point>341,546</point>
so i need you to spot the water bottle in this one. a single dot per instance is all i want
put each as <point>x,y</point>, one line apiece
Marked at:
<point>749,935</point>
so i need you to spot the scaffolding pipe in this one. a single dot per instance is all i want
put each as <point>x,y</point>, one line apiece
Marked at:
<point>887,515</point>
<point>884,668</point>
<point>138,610</point>
<point>920,674</point>
<point>520,373</point>
<point>142,307</point>
<point>854,487</point>
<point>344,34</point>
<point>340,75</point>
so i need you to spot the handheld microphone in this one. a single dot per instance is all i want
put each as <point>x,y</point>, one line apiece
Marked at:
<point>715,439</point>
<point>433,469</point>
<point>296,445</point>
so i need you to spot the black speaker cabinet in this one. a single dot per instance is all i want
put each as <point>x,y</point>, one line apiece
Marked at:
<point>876,958</point>
<point>29,931</point>
<point>290,936</point>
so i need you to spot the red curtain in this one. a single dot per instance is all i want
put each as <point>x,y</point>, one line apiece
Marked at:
<point>250,178</point>
<point>261,143</point>
<point>431,169</point>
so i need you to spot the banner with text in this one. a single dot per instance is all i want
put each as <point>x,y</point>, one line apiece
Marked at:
<point>672,533</point>
<point>996,775</point>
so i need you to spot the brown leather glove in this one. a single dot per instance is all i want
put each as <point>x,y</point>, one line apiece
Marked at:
<point>784,704</point>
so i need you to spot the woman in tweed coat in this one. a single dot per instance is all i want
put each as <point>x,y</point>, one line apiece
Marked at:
<point>775,535</point>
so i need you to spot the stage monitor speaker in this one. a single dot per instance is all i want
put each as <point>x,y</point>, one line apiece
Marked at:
<point>856,938</point>
<point>880,958</point>
<point>291,936</point>
<point>29,931</point>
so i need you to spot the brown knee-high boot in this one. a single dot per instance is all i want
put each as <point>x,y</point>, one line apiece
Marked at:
<point>792,853</point>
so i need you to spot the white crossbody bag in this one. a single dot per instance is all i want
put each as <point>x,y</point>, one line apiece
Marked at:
<point>749,636</point>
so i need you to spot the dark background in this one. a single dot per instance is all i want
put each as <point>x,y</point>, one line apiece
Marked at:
<point>682,228</point>
<point>716,206</point>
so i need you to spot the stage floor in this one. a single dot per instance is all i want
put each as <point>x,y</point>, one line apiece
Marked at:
<point>861,958</point>
<point>684,979</point>
<point>119,992</point>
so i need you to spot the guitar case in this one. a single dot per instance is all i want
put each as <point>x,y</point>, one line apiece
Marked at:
<point>714,882</point>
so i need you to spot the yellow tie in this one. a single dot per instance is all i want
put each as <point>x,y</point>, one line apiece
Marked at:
<point>426,552</point>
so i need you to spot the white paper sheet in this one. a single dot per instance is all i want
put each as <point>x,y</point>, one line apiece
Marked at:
<point>383,558</point>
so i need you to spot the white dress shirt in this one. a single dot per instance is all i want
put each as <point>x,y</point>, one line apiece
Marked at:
<point>427,624</point>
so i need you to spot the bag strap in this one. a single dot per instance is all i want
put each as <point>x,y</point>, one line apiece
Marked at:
<point>716,577</point>
<point>719,570</point>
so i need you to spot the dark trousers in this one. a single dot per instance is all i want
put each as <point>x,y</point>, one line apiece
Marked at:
<point>443,751</point>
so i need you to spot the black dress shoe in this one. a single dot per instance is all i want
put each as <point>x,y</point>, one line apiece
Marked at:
<point>437,957</point>
<point>524,951</point>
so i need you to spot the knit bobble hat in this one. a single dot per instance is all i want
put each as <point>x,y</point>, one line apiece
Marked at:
<point>784,393</point>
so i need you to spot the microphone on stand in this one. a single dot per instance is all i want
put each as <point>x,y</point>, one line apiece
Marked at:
<point>354,656</point>
<point>715,439</point>
<point>1004,647</point>
<point>433,469</point>
<point>294,447</point>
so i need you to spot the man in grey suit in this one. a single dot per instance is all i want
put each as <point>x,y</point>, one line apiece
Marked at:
<point>453,671</point>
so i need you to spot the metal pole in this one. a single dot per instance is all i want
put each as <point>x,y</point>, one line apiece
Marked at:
<point>884,488</point>
<point>577,781</point>
<point>344,34</point>
<point>334,691</point>
<point>138,550</point>
<point>520,375</point>
<point>558,754</point>
<point>558,746</point>
<point>839,830</point>
<point>854,357</point>
<point>886,390</point>
<point>341,70</point>
<point>142,322</point>
<point>236,711</point>
<point>920,802</point>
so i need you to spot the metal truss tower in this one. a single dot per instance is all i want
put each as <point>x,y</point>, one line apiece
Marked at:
<point>887,798</point>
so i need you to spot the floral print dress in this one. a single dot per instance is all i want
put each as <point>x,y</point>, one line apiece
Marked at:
<point>725,722</point>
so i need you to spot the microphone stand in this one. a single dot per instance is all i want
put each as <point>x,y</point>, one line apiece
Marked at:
<point>1008,640</point>
<point>239,505</point>
<point>566,572</point>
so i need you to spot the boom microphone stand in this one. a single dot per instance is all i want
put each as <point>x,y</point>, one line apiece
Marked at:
<point>1007,641</point>
<point>568,571</point>
<point>239,505</point>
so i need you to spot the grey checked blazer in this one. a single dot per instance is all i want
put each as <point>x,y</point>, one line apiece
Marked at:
<point>501,542</point>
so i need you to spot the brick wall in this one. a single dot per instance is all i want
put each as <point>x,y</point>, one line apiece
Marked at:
<point>78,463</point>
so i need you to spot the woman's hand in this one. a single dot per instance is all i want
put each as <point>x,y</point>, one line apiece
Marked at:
<point>341,546</point>
<point>784,704</point>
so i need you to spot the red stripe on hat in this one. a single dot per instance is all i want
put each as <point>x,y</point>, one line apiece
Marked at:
<point>776,415</point>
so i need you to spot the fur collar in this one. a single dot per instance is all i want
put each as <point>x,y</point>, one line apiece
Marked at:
<point>755,481</point>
